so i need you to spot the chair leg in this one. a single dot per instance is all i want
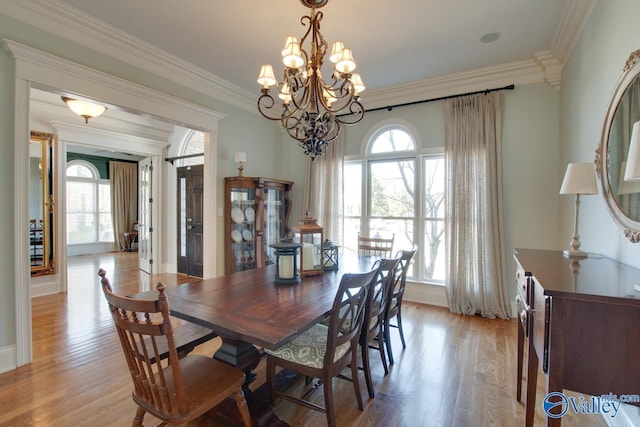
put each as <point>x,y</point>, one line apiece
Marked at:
<point>355,380</point>
<point>367,369</point>
<point>380,348</point>
<point>387,341</point>
<point>271,379</point>
<point>242,407</point>
<point>328,402</point>
<point>137,420</point>
<point>400,327</point>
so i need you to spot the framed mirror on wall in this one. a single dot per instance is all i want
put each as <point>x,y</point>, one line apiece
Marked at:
<point>622,197</point>
<point>41,204</point>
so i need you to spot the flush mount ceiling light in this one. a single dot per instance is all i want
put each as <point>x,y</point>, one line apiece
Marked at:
<point>312,108</point>
<point>83,108</point>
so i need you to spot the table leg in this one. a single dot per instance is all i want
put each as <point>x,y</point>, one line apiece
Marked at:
<point>532,379</point>
<point>246,357</point>
<point>520,362</point>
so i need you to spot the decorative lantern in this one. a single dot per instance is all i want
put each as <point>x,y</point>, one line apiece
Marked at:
<point>286,262</point>
<point>329,256</point>
<point>309,234</point>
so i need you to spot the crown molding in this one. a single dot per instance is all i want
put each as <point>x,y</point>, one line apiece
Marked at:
<point>66,22</point>
<point>47,112</point>
<point>107,140</point>
<point>43,69</point>
<point>518,73</point>
<point>575,17</point>
<point>69,23</point>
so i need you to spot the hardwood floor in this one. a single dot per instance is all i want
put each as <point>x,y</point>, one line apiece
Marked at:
<point>456,370</point>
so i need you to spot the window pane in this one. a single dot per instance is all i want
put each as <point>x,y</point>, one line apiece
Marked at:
<point>434,250</point>
<point>392,140</point>
<point>391,189</point>
<point>401,229</point>
<point>80,228</point>
<point>433,246</point>
<point>104,198</point>
<point>352,189</point>
<point>351,230</point>
<point>80,171</point>
<point>80,196</point>
<point>105,227</point>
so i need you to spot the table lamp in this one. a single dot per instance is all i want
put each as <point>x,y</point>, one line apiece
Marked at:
<point>580,178</point>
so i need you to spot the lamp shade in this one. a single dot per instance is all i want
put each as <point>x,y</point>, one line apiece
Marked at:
<point>83,108</point>
<point>627,186</point>
<point>240,156</point>
<point>632,171</point>
<point>580,178</point>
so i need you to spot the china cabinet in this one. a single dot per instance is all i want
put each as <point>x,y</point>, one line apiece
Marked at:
<point>256,215</point>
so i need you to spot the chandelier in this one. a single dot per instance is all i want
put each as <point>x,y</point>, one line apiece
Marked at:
<point>312,109</point>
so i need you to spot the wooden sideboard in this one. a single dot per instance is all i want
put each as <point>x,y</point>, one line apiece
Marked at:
<point>579,319</point>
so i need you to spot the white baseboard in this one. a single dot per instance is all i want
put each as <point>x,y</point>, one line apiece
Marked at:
<point>426,294</point>
<point>42,289</point>
<point>8,358</point>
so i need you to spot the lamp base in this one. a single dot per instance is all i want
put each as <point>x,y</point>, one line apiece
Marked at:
<point>575,254</point>
<point>290,281</point>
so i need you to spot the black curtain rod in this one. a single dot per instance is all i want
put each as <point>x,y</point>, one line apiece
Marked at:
<point>186,156</point>
<point>486,91</point>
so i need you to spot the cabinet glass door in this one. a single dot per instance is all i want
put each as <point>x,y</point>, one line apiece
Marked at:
<point>243,214</point>
<point>274,227</point>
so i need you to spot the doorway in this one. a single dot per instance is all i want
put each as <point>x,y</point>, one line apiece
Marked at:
<point>190,219</point>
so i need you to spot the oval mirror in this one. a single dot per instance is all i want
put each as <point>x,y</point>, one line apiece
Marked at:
<point>621,197</point>
<point>41,206</point>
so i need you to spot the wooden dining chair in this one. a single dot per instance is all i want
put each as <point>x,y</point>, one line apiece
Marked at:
<point>372,335</point>
<point>323,351</point>
<point>177,391</point>
<point>394,307</point>
<point>186,336</point>
<point>375,246</point>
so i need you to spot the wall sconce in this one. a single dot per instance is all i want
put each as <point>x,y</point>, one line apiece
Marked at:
<point>286,263</point>
<point>84,109</point>
<point>241,159</point>
<point>580,178</point>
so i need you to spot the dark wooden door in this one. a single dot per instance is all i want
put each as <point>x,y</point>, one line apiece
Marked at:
<point>190,213</point>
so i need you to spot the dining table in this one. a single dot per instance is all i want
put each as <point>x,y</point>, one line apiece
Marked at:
<point>251,313</point>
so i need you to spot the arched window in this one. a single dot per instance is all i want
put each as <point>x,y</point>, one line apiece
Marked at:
<point>398,189</point>
<point>193,144</point>
<point>88,205</point>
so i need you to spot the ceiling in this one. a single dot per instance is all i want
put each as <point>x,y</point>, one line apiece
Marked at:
<point>405,51</point>
<point>393,43</point>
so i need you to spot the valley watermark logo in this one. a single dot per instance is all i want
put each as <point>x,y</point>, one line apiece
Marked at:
<point>606,405</point>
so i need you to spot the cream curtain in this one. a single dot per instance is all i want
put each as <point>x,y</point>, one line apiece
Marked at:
<point>476,260</point>
<point>123,178</point>
<point>323,190</point>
